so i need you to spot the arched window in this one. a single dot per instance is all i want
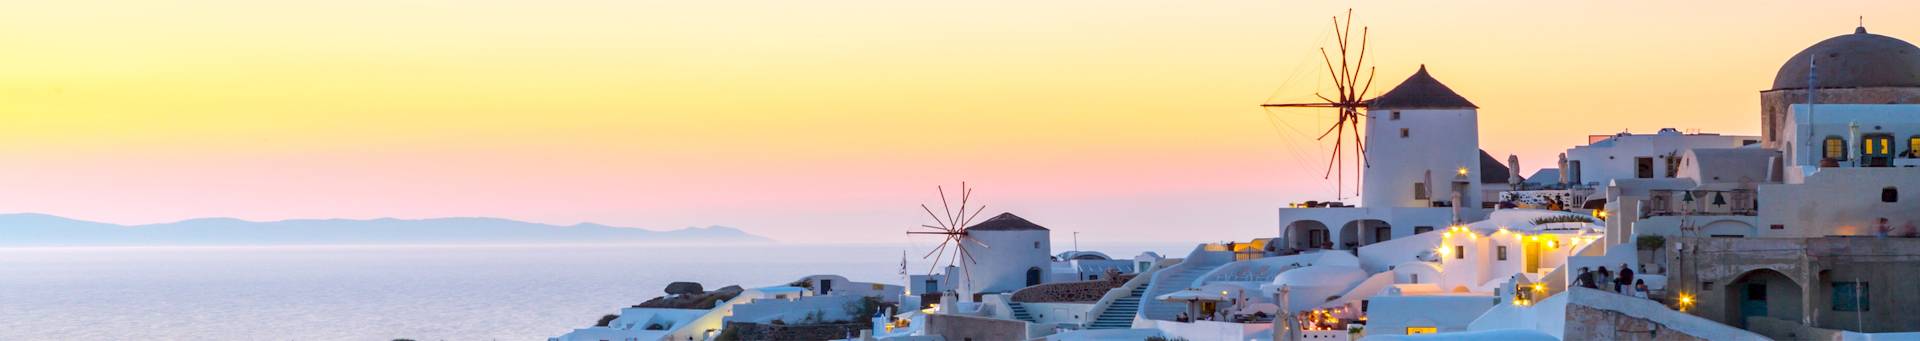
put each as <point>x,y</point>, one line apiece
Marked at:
<point>1033,276</point>
<point>1835,148</point>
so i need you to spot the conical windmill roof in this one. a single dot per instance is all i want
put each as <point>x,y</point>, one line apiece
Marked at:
<point>1420,91</point>
<point>1006,222</point>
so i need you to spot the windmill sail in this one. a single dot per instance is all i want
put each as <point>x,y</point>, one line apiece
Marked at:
<point>1352,79</point>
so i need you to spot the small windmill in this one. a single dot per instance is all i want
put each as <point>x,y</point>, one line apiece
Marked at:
<point>1352,78</point>
<point>952,226</point>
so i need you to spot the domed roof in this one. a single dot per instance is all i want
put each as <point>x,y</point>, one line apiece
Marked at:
<point>1853,60</point>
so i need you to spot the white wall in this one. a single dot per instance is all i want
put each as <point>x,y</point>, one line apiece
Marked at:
<point>1391,315</point>
<point>831,307</point>
<point>1839,201</point>
<point>1437,140</point>
<point>1058,312</point>
<point>1604,161</point>
<point>1211,330</point>
<point>1002,266</point>
<point>1900,120</point>
<point>1402,221</point>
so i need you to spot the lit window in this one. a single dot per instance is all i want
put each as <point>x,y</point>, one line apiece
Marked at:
<point>1836,149</point>
<point>1913,146</point>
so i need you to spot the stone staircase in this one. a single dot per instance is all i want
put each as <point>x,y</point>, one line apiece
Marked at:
<point>1120,314</point>
<point>1020,312</point>
<point>1176,278</point>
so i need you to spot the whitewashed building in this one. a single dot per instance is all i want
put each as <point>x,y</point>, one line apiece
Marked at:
<point>1423,146</point>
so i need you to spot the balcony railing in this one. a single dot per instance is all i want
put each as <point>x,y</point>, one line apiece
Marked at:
<point>1700,202</point>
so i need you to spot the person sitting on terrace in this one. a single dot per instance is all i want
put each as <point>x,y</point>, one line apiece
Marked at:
<point>1640,288</point>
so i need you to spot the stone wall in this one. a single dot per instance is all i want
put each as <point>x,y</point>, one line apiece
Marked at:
<point>1598,315</point>
<point>1587,323</point>
<point>1074,292</point>
<point>1712,268</point>
<point>972,328</point>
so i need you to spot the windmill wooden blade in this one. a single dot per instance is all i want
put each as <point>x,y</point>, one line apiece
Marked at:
<point>1300,105</point>
<point>1352,79</point>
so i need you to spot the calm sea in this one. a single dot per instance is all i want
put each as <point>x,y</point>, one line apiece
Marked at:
<point>384,292</point>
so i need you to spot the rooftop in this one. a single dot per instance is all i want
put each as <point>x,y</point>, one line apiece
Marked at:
<point>1006,222</point>
<point>1420,91</point>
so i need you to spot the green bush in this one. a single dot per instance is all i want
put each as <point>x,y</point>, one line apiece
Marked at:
<point>1562,219</point>
<point>866,307</point>
<point>604,320</point>
<point>1651,242</point>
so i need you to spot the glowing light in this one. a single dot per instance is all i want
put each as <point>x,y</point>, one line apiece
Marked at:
<point>1463,171</point>
<point>1550,243</point>
<point>1442,251</point>
<point>1686,301</point>
<point>1539,287</point>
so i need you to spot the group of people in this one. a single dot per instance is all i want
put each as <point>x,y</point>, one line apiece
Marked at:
<point>1620,283</point>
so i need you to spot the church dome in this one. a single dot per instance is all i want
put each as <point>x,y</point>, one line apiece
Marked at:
<point>1854,60</point>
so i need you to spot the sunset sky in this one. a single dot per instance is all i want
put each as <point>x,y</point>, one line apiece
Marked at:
<point>814,121</point>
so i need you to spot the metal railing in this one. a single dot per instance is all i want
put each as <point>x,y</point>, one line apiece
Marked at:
<point>1700,202</point>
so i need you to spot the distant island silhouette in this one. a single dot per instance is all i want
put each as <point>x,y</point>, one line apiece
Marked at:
<point>33,229</point>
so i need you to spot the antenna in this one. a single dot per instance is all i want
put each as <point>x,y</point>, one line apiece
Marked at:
<point>1813,81</point>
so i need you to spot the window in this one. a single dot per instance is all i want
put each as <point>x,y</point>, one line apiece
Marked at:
<point>1459,252</point>
<point>1403,133</point>
<point>1835,149</point>
<point>1420,191</point>
<point>1913,146</point>
<point>1643,167</point>
<point>1876,150</point>
<point>1416,278</point>
<point>1422,229</point>
<point>1395,116</point>
<point>1422,330</point>
<point>931,286</point>
<point>1036,245</point>
<point>1889,194</point>
<point>1850,296</point>
<point>1501,252</point>
<point>1777,227</point>
<point>1574,176</point>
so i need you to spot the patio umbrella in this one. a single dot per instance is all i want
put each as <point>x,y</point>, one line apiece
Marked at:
<point>1190,296</point>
